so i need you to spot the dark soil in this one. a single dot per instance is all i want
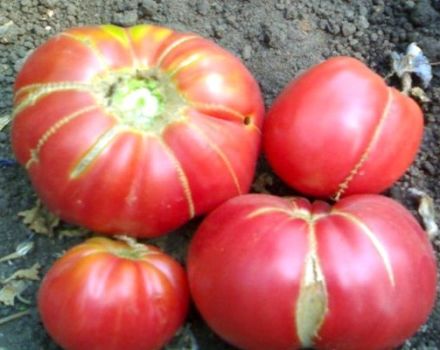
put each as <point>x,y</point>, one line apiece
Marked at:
<point>276,40</point>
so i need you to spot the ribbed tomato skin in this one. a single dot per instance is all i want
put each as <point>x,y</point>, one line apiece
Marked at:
<point>91,168</point>
<point>338,129</point>
<point>260,267</point>
<point>93,299</point>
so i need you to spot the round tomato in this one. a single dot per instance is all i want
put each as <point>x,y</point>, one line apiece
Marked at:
<point>105,294</point>
<point>281,273</point>
<point>339,129</point>
<point>135,130</point>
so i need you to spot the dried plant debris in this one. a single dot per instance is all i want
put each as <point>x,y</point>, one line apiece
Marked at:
<point>412,62</point>
<point>426,210</point>
<point>419,94</point>
<point>13,317</point>
<point>4,120</point>
<point>39,219</point>
<point>17,283</point>
<point>30,273</point>
<point>184,340</point>
<point>21,250</point>
<point>73,232</point>
<point>11,291</point>
<point>262,183</point>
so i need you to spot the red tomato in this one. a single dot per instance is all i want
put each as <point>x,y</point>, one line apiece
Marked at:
<point>106,295</point>
<point>135,130</point>
<point>280,273</point>
<point>339,129</point>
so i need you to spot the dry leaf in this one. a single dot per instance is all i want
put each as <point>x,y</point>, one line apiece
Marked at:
<point>413,61</point>
<point>183,340</point>
<point>11,291</point>
<point>21,250</point>
<point>30,273</point>
<point>39,219</point>
<point>419,94</point>
<point>4,120</point>
<point>427,212</point>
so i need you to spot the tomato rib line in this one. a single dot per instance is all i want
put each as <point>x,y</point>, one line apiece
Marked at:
<point>380,249</point>
<point>294,213</point>
<point>312,303</point>
<point>173,46</point>
<point>148,263</point>
<point>42,90</point>
<point>131,48</point>
<point>126,41</point>
<point>96,150</point>
<point>220,153</point>
<point>38,86</point>
<point>342,187</point>
<point>91,45</point>
<point>187,62</point>
<point>183,178</point>
<point>35,152</point>
<point>268,210</point>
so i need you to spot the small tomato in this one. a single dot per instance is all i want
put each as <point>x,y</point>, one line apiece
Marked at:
<point>107,295</point>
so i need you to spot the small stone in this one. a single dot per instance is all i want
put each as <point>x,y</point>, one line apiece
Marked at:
<point>49,3</point>
<point>423,13</point>
<point>429,168</point>
<point>280,5</point>
<point>219,30</point>
<point>127,18</point>
<point>348,29</point>
<point>275,36</point>
<point>148,8</point>
<point>409,4</point>
<point>363,22</point>
<point>290,13</point>
<point>9,32</point>
<point>71,9</point>
<point>25,3</point>
<point>333,28</point>
<point>247,52</point>
<point>203,7</point>
<point>349,14</point>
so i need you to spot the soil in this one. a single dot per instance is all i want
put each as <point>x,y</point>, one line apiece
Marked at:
<point>276,40</point>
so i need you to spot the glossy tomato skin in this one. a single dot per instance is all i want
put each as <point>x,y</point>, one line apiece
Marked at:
<point>95,297</point>
<point>281,273</point>
<point>338,129</point>
<point>95,165</point>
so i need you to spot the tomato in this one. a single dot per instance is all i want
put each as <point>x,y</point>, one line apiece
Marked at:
<point>105,294</point>
<point>339,129</point>
<point>281,273</point>
<point>135,130</point>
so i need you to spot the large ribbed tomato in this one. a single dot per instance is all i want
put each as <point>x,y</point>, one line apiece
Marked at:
<point>107,295</point>
<point>135,130</point>
<point>339,129</point>
<point>282,273</point>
